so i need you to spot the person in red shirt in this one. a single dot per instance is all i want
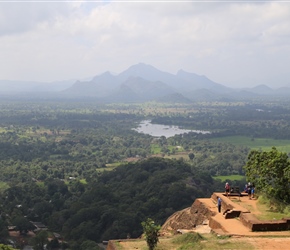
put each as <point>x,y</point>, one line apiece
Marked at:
<point>227,188</point>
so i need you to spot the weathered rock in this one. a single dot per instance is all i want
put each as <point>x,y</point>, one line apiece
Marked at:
<point>188,218</point>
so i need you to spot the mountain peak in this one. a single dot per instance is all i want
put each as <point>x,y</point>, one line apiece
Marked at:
<point>105,75</point>
<point>140,68</point>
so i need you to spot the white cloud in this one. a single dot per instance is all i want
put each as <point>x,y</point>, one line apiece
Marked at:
<point>228,42</point>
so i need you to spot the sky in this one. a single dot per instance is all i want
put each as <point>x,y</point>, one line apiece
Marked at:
<point>234,43</point>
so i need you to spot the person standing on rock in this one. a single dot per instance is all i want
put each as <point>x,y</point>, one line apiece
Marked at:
<point>219,204</point>
<point>249,190</point>
<point>227,188</point>
<point>253,191</point>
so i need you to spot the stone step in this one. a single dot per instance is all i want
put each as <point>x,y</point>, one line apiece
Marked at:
<point>230,214</point>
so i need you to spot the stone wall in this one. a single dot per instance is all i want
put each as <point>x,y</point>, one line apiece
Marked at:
<point>234,210</point>
<point>256,225</point>
<point>227,204</point>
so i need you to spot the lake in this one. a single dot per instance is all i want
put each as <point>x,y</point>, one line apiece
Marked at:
<point>146,127</point>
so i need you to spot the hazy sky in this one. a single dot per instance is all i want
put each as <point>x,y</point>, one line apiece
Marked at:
<point>235,43</point>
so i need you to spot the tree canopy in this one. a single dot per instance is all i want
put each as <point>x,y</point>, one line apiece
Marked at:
<point>5,247</point>
<point>269,171</point>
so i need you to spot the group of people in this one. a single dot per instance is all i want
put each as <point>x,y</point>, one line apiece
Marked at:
<point>250,190</point>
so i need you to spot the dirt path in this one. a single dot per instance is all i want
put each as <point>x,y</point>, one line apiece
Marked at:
<point>266,243</point>
<point>250,204</point>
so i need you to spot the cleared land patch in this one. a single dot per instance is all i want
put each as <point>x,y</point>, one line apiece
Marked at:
<point>264,144</point>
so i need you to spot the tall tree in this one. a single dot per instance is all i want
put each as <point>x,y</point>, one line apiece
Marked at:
<point>40,240</point>
<point>269,171</point>
<point>151,230</point>
<point>22,224</point>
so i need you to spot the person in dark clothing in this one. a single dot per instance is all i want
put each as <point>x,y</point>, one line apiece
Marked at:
<point>253,191</point>
<point>249,190</point>
<point>219,204</point>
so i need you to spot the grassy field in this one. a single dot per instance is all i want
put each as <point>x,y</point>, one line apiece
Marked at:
<point>3,186</point>
<point>268,210</point>
<point>264,209</point>
<point>155,149</point>
<point>111,166</point>
<point>178,156</point>
<point>264,144</point>
<point>83,181</point>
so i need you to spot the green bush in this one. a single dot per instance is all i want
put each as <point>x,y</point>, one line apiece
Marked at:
<point>151,233</point>
<point>5,247</point>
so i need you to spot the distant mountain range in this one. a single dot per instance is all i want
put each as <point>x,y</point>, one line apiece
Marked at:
<point>140,83</point>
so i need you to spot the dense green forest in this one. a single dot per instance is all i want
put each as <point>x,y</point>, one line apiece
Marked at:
<point>114,204</point>
<point>82,170</point>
